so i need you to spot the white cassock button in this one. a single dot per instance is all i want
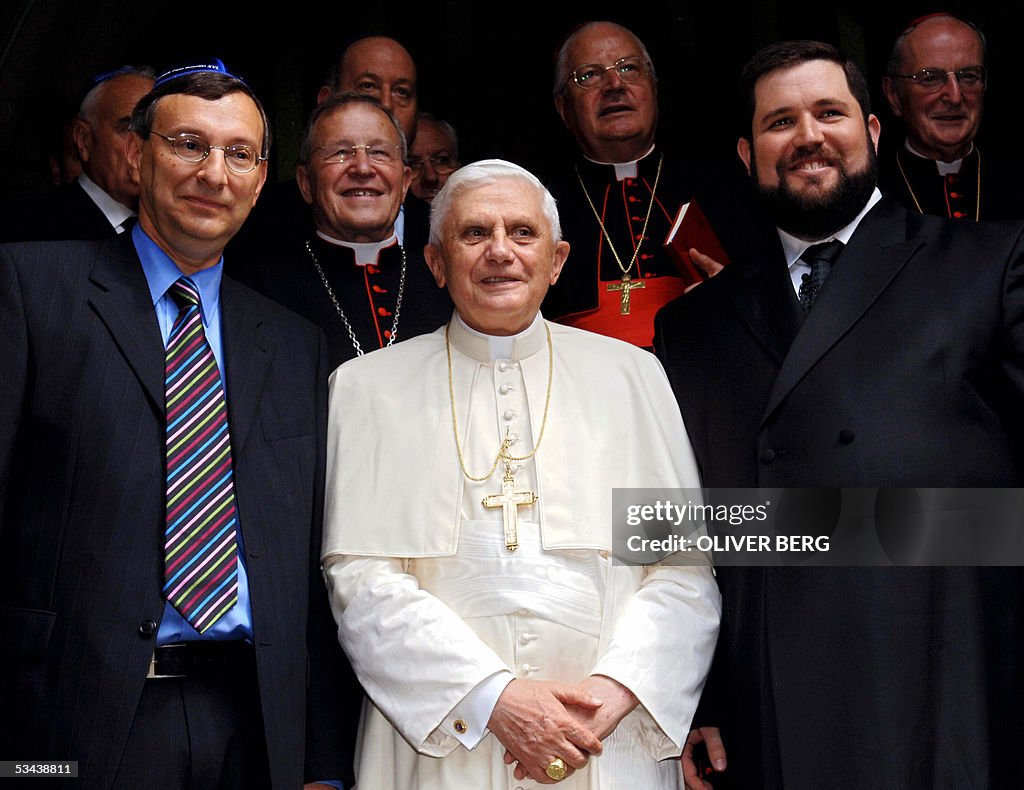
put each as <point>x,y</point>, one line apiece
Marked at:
<point>526,669</point>
<point>525,639</point>
<point>503,366</point>
<point>504,389</point>
<point>510,414</point>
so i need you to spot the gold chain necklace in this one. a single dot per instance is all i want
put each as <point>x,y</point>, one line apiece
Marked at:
<point>917,205</point>
<point>509,500</point>
<point>506,442</point>
<point>626,284</point>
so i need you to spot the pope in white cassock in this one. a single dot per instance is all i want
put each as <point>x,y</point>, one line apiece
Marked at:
<point>468,532</point>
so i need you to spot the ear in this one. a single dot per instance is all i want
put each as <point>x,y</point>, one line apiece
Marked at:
<point>81,133</point>
<point>303,181</point>
<point>874,129</point>
<point>560,107</point>
<point>263,180</point>
<point>324,94</point>
<point>435,262</point>
<point>561,253</point>
<point>406,182</point>
<point>133,155</point>
<point>743,149</point>
<point>892,96</point>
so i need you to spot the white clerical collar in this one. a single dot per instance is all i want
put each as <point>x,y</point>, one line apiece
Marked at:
<point>116,213</point>
<point>794,247</point>
<point>489,348</point>
<point>365,252</point>
<point>944,168</point>
<point>624,170</point>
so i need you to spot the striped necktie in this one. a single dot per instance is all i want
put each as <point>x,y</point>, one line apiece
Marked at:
<point>200,543</point>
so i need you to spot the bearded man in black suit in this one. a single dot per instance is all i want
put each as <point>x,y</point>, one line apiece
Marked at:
<point>904,368</point>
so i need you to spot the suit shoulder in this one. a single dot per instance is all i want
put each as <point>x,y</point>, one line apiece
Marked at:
<point>53,262</point>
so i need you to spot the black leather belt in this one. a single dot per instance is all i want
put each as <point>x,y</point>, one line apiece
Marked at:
<point>200,659</point>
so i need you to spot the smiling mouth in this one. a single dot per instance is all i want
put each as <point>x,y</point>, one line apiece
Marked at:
<point>496,280</point>
<point>811,165</point>
<point>361,193</point>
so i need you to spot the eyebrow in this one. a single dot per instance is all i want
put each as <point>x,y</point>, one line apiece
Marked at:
<point>374,75</point>
<point>819,104</point>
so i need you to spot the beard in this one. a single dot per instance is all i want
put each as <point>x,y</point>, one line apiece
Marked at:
<point>813,216</point>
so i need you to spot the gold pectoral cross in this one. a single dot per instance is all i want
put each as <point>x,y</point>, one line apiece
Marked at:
<point>626,284</point>
<point>510,500</point>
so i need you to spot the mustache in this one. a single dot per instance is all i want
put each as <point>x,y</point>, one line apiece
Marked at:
<point>817,151</point>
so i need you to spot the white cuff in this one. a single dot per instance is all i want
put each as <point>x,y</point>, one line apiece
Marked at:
<point>467,722</point>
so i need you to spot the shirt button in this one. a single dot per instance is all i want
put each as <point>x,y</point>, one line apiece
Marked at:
<point>510,414</point>
<point>767,456</point>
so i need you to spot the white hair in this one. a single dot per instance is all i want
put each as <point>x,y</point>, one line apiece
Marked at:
<point>484,173</point>
<point>562,66</point>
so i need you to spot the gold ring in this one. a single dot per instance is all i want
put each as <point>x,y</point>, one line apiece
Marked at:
<point>556,769</point>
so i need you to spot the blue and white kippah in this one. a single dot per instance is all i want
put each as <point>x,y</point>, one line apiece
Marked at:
<point>214,66</point>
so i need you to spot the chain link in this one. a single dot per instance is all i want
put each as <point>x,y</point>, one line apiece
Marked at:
<point>341,313</point>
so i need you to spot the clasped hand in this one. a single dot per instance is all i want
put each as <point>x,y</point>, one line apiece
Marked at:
<point>538,721</point>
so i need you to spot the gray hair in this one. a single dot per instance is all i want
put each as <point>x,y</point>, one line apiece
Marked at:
<point>446,128</point>
<point>484,173</point>
<point>562,69</point>
<point>340,100</point>
<point>88,108</point>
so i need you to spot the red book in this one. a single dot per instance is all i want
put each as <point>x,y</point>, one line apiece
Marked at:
<point>692,230</point>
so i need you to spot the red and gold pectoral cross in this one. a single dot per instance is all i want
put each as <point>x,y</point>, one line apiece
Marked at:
<point>510,500</point>
<point>626,284</point>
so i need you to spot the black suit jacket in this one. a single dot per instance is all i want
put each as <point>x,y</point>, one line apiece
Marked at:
<point>908,371</point>
<point>82,493</point>
<point>66,213</point>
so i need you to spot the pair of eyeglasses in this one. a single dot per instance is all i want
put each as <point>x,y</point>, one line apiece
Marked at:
<point>378,153</point>
<point>590,75</point>
<point>194,149</point>
<point>442,163</point>
<point>932,80</point>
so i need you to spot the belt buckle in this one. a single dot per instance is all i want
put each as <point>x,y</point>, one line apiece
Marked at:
<point>152,672</point>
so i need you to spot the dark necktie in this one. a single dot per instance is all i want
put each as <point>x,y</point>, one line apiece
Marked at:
<point>820,257</point>
<point>200,543</point>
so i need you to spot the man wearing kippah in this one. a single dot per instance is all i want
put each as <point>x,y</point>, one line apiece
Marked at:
<point>103,200</point>
<point>161,479</point>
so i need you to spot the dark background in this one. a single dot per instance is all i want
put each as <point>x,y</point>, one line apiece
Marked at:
<point>486,67</point>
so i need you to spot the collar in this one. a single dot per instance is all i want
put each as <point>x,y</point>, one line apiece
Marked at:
<point>161,273</point>
<point>365,252</point>
<point>794,247</point>
<point>116,213</point>
<point>944,168</point>
<point>488,348</point>
<point>624,170</point>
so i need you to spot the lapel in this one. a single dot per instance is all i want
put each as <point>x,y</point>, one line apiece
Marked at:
<point>248,353</point>
<point>765,300</point>
<point>878,250</point>
<point>121,298</point>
